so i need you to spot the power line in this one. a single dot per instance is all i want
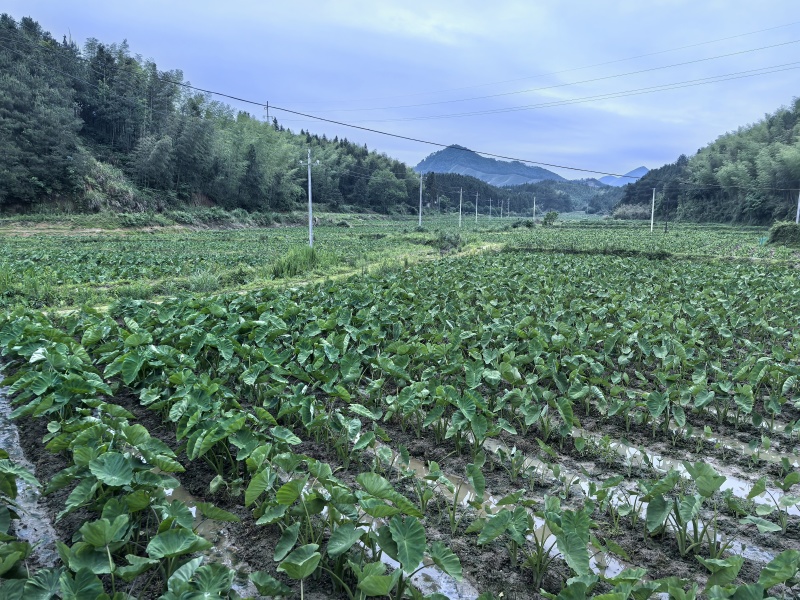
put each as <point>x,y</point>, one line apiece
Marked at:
<point>608,96</point>
<point>601,64</point>
<point>352,126</point>
<point>560,85</point>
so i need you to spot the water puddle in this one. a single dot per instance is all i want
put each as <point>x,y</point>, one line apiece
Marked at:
<point>640,457</point>
<point>34,525</point>
<point>223,550</point>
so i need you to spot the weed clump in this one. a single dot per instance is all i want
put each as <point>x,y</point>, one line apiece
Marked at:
<point>785,233</point>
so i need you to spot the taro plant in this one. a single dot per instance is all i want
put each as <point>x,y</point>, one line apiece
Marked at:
<point>779,506</point>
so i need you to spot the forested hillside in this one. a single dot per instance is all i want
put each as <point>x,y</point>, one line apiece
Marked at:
<point>750,176</point>
<point>99,127</point>
<point>442,190</point>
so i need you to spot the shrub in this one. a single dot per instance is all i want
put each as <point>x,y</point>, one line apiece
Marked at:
<point>344,224</point>
<point>550,218</point>
<point>634,212</point>
<point>785,233</point>
<point>447,241</point>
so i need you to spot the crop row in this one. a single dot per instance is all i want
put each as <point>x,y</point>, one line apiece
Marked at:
<point>460,359</point>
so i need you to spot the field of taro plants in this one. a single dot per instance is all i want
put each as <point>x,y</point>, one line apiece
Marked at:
<point>552,414</point>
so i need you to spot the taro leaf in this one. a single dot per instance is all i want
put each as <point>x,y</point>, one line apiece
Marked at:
<point>213,580</point>
<point>103,532</point>
<point>478,481</point>
<point>209,511</point>
<point>83,555</point>
<point>658,510</point>
<point>290,491</point>
<point>791,479</point>
<point>689,508</point>
<point>495,527</point>
<point>176,542</point>
<point>705,478</point>
<point>780,569</point>
<point>749,591</point>
<point>282,434</point>
<point>8,561</point>
<point>444,558</point>
<point>409,535</point>
<point>302,562</point>
<point>113,469</point>
<point>564,406</point>
<point>763,525</point>
<point>83,586</point>
<point>723,571</point>
<point>287,542</point>
<point>574,540</point>
<point>759,487</point>
<point>378,585</point>
<point>271,515</point>
<point>182,576</point>
<point>342,539</point>
<point>8,467</point>
<point>362,410</point>
<point>364,441</point>
<point>258,485</point>
<point>350,367</point>
<point>267,585</point>
<point>137,565</point>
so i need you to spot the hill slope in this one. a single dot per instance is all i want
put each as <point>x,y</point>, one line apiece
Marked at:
<point>462,161</point>
<point>748,176</point>
<point>639,172</point>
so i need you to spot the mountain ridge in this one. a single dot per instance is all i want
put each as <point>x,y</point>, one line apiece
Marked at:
<point>459,160</point>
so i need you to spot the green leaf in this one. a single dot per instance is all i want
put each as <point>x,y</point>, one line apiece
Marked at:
<point>379,585</point>
<point>262,481</point>
<point>763,525</point>
<point>213,580</point>
<point>343,538</point>
<point>112,468</point>
<point>83,586</point>
<point>103,532</point>
<point>409,535</point>
<point>209,511</point>
<point>723,571</point>
<point>290,491</point>
<point>267,585</point>
<point>495,527</point>
<point>759,487</point>
<point>182,576</point>
<point>782,568</point>
<point>136,566</point>
<point>302,562</point>
<point>287,542</point>
<point>658,510</point>
<point>573,541</point>
<point>176,542</point>
<point>446,560</point>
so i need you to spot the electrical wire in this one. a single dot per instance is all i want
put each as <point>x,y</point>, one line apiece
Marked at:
<point>560,85</point>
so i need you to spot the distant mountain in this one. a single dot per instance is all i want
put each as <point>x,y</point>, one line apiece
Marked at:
<point>462,161</point>
<point>620,181</point>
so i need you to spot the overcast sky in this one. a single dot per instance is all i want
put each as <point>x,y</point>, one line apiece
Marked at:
<point>479,74</point>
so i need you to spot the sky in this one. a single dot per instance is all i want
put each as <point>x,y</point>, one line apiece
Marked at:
<point>578,84</point>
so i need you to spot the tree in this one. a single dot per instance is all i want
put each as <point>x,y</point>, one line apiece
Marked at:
<point>385,190</point>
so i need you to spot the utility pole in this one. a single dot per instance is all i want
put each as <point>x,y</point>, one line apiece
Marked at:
<point>797,217</point>
<point>460,197</point>
<point>534,208</point>
<point>653,211</point>
<point>310,210</point>
<point>420,199</point>
<point>501,209</point>
<point>476,208</point>
<point>490,208</point>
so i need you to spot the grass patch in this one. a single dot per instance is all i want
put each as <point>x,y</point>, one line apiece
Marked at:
<point>298,261</point>
<point>786,233</point>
